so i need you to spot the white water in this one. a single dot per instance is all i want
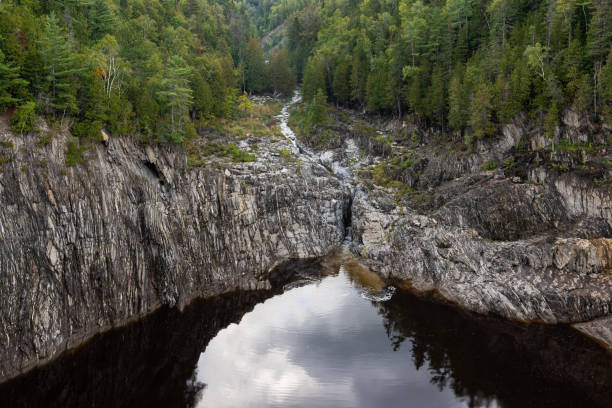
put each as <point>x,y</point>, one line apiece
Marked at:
<point>283,118</point>
<point>325,158</point>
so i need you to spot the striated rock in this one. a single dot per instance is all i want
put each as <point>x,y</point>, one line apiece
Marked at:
<point>556,281</point>
<point>90,247</point>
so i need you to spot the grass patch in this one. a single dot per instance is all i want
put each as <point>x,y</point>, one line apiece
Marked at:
<point>220,150</point>
<point>492,165</point>
<point>257,122</point>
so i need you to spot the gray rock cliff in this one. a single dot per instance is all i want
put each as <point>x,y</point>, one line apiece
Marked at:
<point>93,246</point>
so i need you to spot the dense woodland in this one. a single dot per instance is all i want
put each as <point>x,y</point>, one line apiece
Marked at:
<point>156,69</point>
<point>162,69</point>
<point>458,64</point>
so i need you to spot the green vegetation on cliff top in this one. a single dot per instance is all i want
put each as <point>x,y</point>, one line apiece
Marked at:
<point>164,70</point>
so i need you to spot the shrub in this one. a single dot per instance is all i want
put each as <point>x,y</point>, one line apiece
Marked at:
<point>88,130</point>
<point>24,118</point>
<point>240,156</point>
<point>492,165</point>
<point>74,153</point>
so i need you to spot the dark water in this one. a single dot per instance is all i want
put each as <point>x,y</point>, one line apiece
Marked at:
<point>330,343</point>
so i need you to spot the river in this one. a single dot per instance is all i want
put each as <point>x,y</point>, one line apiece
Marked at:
<point>339,341</point>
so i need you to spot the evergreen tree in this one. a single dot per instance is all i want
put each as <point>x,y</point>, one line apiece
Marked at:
<point>379,94</point>
<point>100,20</point>
<point>254,67</point>
<point>457,101</point>
<point>192,8</point>
<point>605,86</point>
<point>24,118</point>
<point>481,109</point>
<point>317,110</point>
<point>60,67</point>
<point>314,79</point>
<point>361,68</point>
<point>437,98</point>
<point>280,72</point>
<point>599,43</point>
<point>342,82</point>
<point>11,85</point>
<point>177,96</point>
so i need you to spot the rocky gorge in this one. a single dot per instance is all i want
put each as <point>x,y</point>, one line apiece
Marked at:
<point>135,228</point>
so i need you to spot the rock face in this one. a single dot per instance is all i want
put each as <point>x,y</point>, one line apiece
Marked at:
<point>529,240</point>
<point>133,229</point>
<point>89,247</point>
<point>540,277</point>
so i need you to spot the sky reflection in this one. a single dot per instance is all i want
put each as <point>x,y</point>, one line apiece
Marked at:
<point>317,345</point>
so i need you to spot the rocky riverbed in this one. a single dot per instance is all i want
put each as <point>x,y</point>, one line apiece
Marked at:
<point>135,228</point>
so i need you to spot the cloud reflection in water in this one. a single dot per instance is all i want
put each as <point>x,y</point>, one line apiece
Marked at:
<point>317,345</point>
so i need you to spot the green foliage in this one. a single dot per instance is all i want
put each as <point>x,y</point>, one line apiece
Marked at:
<point>11,85</point>
<point>317,109</point>
<point>492,165</point>
<point>302,30</point>
<point>341,84</point>
<point>60,67</point>
<point>314,79</point>
<point>456,64</point>
<point>231,150</point>
<point>88,130</point>
<point>100,20</point>
<point>378,88</point>
<point>112,64</point>
<point>481,110</point>
<point>240,156</point>
<point>24,118</point>
<point>254,74</point>
<point>74,153</point>
<point>280,72</point>
<point>465,65</point>
<point>605,87</point>
<point>176,95</point>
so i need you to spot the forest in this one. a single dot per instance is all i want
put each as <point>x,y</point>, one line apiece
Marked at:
<point>155,69</point>
<point>162,70</point>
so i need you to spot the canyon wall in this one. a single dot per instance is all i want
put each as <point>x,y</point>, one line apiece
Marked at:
<point>132,229</point>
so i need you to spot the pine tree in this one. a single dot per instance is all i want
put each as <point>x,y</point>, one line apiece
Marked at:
<point>10,83</point>
<point>100,20</point>
<point>342,82</point>
<point>280,72</point>
<point>254,67</point>
<point>359,75</point>
<point>193,8</point>
<point>177,96</point>
<point>481,108</point>
<point>457,101</point>
<point>379,94</point>
<point>314,79</point>
<point>599,42</point>
<point>60,67</point>
<point>436,97</point>
<point>317,110</point>
<point>605,85</point>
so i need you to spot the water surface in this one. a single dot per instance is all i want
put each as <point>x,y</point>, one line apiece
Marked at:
<point>330,343</point>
